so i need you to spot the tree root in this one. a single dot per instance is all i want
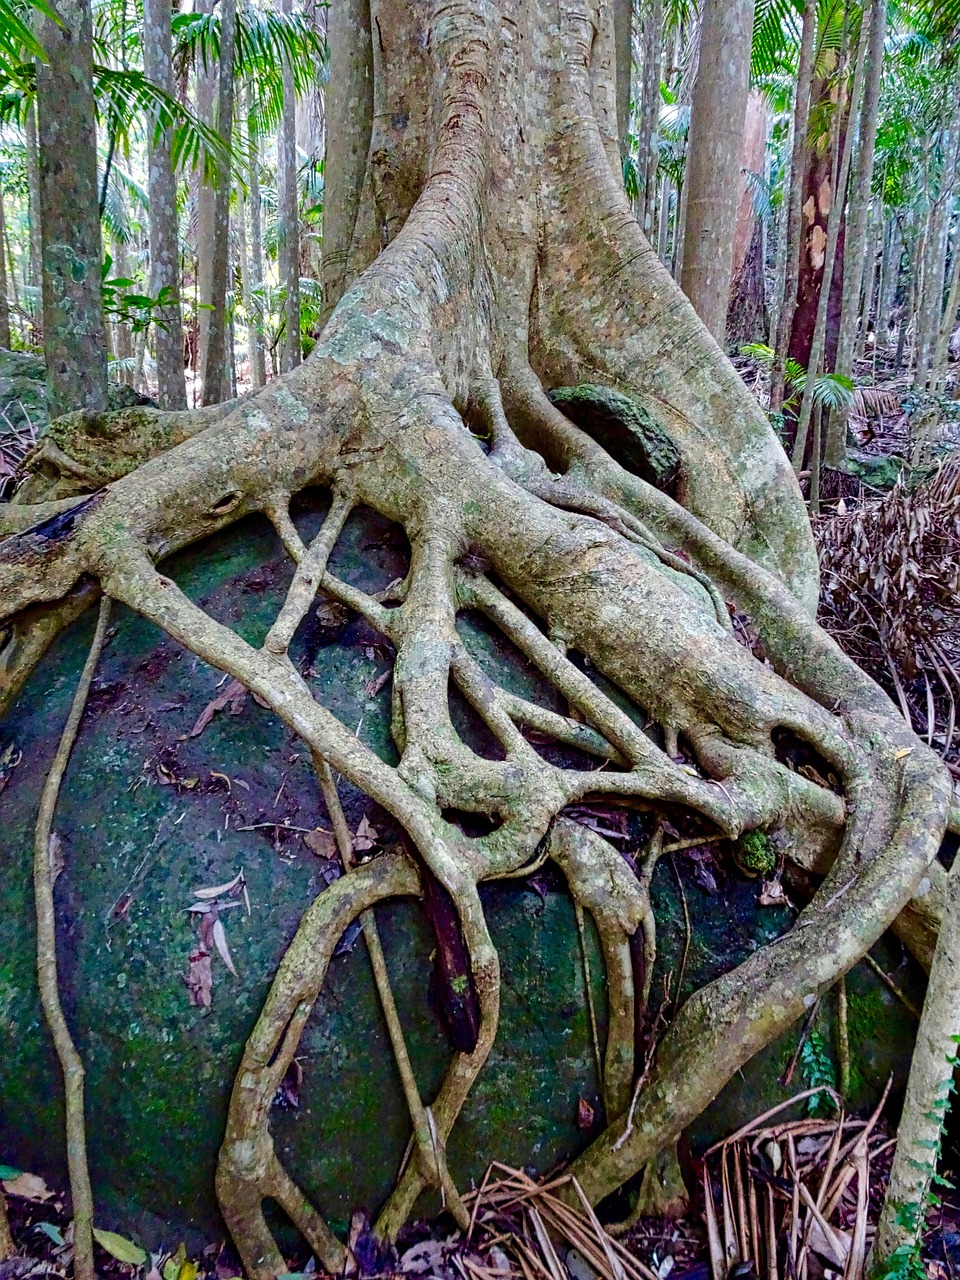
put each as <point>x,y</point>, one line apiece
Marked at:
<point>45,872</point>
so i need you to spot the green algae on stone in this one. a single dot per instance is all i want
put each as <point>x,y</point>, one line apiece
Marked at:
<point>625,428</point>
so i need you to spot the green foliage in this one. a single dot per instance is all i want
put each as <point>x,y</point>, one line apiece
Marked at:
<point>138,310</point>
<point>818,1071</point>
<point>830,390</point>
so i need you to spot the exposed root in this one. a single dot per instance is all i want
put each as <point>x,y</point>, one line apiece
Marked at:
<point>45,872</point>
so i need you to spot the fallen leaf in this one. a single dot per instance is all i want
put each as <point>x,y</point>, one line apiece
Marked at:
<point>903,753</point>
<point>240,783</point>
<point>373,687</point>
<point>232,700</point>
<point>120,1247</point>
<point>52,1232</point>
<point>219,890</point>
<point>828,1249</point>
<point>772,895</point>
<point>288,1095</point>
<point>28,1186</point>
<point>585,1114</point>
<point>331,613</point>
<point>321,842</point>
<point>199,979</point>
<point>429,1255</point>
<point>223,778</point>
<point>365,838</point>
<point>220,942</point>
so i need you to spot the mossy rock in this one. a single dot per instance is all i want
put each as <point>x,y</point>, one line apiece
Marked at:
<point>23,392</point>
<point>148,813</point>
<point>625,428</point>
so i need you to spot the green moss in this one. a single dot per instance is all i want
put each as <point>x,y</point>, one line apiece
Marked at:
<point>754,855</point>
<point>625,428</point>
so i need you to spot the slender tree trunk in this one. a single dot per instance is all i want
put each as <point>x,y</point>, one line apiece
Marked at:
<point>205,204</point>
<point>855,244</point>
<point>889,279</point>
<point>122,342</point>
<point>713,158</point>
<point>289,218</point>
<point>623,44</point>
<point>164,223</point>
<point>939,372</point>
<point>647,150</point>
<point>214,369</point>
<point>914,260</point>
<point>32,151</point>
<point>835,223</point>
<point>4,300</point>
<point>663,229</point>
<point>794,216</point>
<point>872,267</point>
<point>72,302</point>
<point>258,366</point>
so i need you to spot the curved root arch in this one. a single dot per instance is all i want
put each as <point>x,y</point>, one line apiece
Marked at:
<point>501,278</point>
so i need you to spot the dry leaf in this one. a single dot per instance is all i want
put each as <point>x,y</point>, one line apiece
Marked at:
<point>772,895</point>
<point>373,687</point>
<point>219,890</point>
<point>903,753</point>
<point>220,942</point>
<point>232,700</point>
<point>28,1186</point>
<point>585,1114</point>
<point>365,838</point>
<point>321,842</point>
<point>199,978</point>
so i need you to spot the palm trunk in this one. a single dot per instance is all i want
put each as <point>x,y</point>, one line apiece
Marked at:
<point>214,368</point>
<point>164,224</point>
<point>889,279</point>
<point>874,251</point>
<point>205,205</point>
<point>818,346</point>
<point>33,194</point>
<point>939,373</point>
<point>794,218</point>
<point>4,300</point>
<point>647,153</point>
<point>713,157</point>
<point>855,245</point>
<point>73,330</point>
<point>289,218</point>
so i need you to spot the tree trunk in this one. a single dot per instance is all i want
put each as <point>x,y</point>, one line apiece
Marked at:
<point>288,218</point>
<point>746,312</point>
<point>206,88</point>
<point>475,280</point>
<point>787,303</point>
<point>164,223</point>
<point>647,149</point>
<point>32,151</point>
<point>855,241</point>
<point>875,241</point>
<point>258,368</point>
<point>4,299</point>
<point>713,156</point>
<point>889,279</point>
<point>214,370</point>
<point>73,331</point>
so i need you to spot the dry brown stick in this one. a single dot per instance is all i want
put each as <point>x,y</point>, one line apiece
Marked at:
<point>591,1007</point>
<point>844,1036</point>
<point>889,983</point>
<point>44,876</point>
<point>425,1132</point>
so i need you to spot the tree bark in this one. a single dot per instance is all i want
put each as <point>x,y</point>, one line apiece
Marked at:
<point>73,331</point>
<point>787,303</point>
<point>215,374</point>
<point>288,216</point>
<point>855,242</point>
<point>713,156</point>
<point>652,74</point>
<point>32,151</point>
<point>164,223</point>
<point>4,299</point>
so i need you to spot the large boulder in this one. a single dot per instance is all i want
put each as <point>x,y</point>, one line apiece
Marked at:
<point>148,813</point>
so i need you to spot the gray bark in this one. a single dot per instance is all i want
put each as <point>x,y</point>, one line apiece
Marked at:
<point>214,370</point>
<point>70,223</point>
<point>289,217</point>
<point>33,194</point>
<point>164,229</point>
<point>787,304</point>
<point>205,201</point>
<point>647,152</point>
<point>713,158</point>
